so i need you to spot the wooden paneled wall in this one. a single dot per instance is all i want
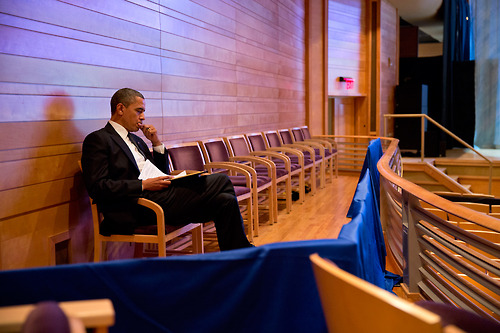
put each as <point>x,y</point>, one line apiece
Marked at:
<point>348,46</point>
<point>349,56</point>
<point>316,66</point>
<point>206,68</point>
<point>363,45</point>
<point>389,62</point>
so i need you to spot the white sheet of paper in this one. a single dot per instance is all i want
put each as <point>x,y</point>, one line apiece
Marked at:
<point>150,171</point>
<point>182,174</point>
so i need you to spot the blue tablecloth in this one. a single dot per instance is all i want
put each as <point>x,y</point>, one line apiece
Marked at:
<point>366,199</point>
<point>266,289</point>
<point>270,288</point>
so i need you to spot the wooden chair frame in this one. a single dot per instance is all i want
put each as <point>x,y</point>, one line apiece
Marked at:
<point>161,237</point>
<point>351,304</point>
<point>308,171</point>
<point>247,200</point>
<point>297,175</point>
<point>285,160</point>
<point>331,146</point>
<point>320,162</point>
<point>251,161</point>
<point>95,314</point>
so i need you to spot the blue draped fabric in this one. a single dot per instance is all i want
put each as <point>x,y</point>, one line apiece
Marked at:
<point>266,289</point>
<point>270,288</point>
<point>373,154</point>
<point>365,214</point>
<point>366,232</point>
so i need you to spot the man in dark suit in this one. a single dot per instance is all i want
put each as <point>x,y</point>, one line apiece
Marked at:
<point>112,159</point>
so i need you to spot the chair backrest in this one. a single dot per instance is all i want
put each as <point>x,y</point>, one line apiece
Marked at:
<point>238,145</point>
<point>256,141</point>
<point>186,156</point>
<point>273,139</point>
<point>306,133</point>
<point>351,304</point>
<point>286,136</point>
<point>297,134</point>
<point>215,150</point>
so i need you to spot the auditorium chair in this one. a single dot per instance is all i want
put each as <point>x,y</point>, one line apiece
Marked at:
<point>318,156</point>
<point>189,156</point>
<point>216,150</point>
<point>159,234</point>
<point>301,134</point>
<point>257,145</point>
<point>238,148</point>
<point>351,304</point>
<point>95,315</point>
<point>296,154</point>
<point>307,135</point>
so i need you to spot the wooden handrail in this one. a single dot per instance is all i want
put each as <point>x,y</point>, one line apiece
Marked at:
<point>439,259</point>
<point>424,117</point>
<point>439,202</point>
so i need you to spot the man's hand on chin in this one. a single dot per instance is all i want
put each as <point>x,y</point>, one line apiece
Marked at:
<point>151,134</point>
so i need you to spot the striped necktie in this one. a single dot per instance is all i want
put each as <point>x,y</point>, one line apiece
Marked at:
<point>131,138</point>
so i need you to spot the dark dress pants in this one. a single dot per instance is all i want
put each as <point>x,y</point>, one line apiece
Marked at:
<point>203,199</point>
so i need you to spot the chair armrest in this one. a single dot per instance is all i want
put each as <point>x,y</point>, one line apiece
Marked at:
<point>304,148</point>
<point>327,137</point>
<point>325,143</point>
<point>313,144</point>
<point>160,216</point>
<point>277,155</point>
<point>271,167</point>
<point>94,313</point>
<point>293,151</point>
<point>247,171</point>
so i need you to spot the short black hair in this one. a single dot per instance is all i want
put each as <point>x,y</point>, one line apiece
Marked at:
<point>126,96</point>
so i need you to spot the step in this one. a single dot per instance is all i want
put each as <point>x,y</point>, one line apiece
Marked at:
<point>442,169</point>
<point>467,186</point>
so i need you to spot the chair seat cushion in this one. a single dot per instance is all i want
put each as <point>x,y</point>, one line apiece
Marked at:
<point>240,190</point>
<point>262,170</point>
<point>241,180</point>
<point>294,159</point>
<point>281,165</point>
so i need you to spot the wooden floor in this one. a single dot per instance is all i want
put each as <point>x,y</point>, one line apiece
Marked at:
<point>321,215</point>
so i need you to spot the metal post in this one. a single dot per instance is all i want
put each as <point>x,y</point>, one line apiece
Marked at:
<point>411,250</point>
<point>422,138</point>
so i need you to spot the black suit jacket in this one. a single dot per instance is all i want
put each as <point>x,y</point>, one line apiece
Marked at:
<point>111,174</point>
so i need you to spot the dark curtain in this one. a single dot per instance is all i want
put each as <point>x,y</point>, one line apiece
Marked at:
<point>458,72</point>
<point>486,22</point>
